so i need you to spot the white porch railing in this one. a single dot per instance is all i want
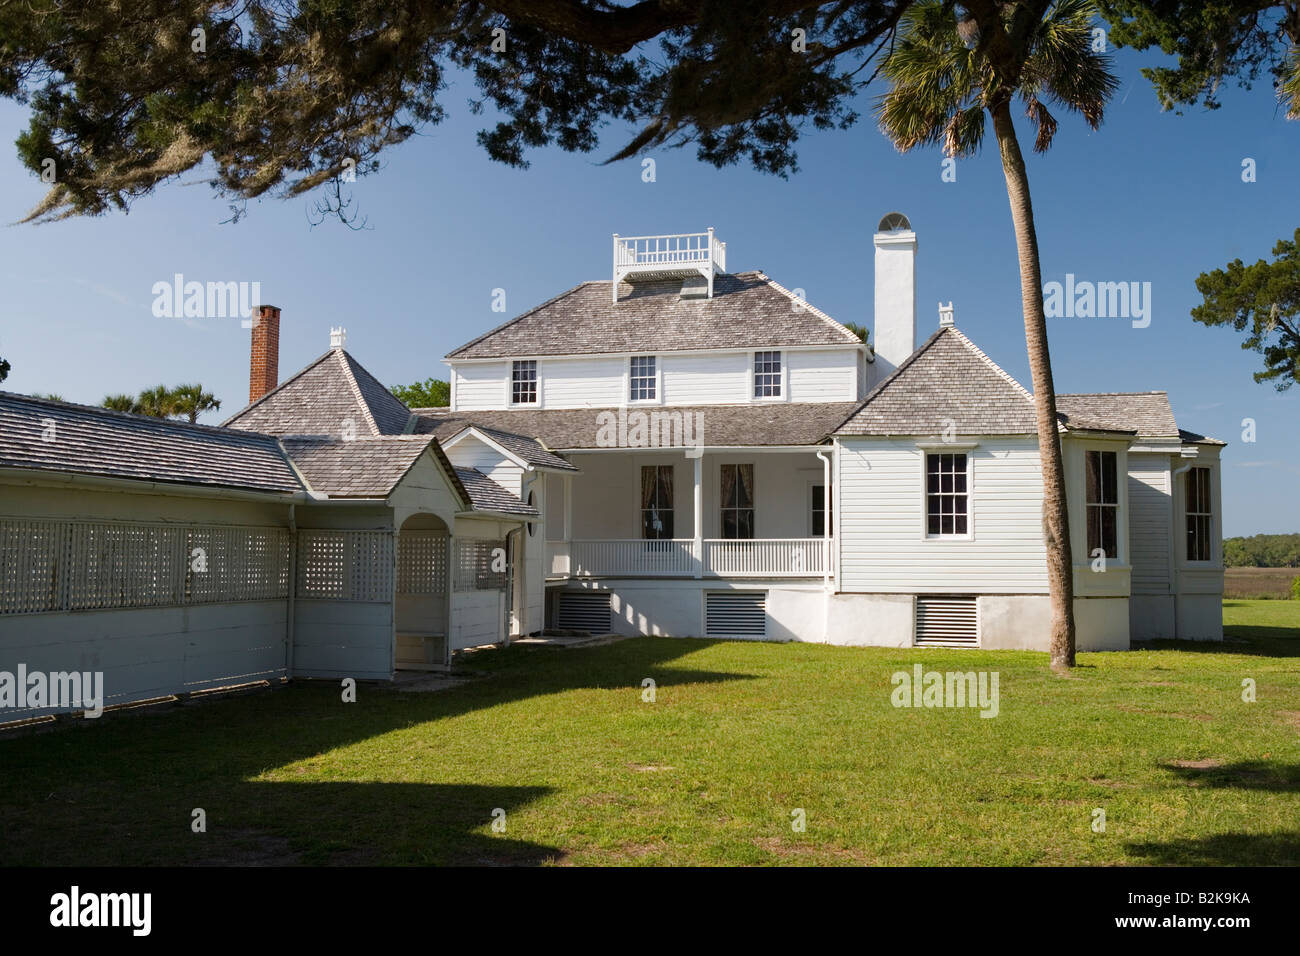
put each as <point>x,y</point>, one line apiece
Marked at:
<point>764,557</point>
<point>721,558</point>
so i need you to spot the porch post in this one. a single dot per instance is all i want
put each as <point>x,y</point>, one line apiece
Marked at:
<point>698,545</point>
<point>568,524</point>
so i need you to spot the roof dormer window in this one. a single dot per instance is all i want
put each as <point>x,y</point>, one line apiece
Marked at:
<point>523,382</point>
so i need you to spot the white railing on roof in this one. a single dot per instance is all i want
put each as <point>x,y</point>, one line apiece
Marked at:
<point>701,252</point>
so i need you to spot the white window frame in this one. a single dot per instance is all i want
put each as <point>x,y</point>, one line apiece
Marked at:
<point>947,448</point>
<point>1208,515</point>
<point>1118,505</point>
<point>537,384</point>
<point>658,397</point>
<point>828,506</point>
<point>782,376</point>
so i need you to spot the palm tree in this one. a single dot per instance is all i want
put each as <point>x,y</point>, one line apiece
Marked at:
<point>157,402</point>
<point>120,403</point>
<point>949,68</point>
<point>191,401</point>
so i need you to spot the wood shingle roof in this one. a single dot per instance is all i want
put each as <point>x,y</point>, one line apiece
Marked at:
<point>747,311</point>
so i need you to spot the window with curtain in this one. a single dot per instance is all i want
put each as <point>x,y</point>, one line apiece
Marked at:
<point>1103,504</point>
<point>821,511</point>
<point>656,501</point>
<point>1198,514</point>
<point>737,501</point>
<point>945,495</point>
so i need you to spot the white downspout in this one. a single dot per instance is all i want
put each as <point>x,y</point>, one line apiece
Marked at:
<point>826,545</point>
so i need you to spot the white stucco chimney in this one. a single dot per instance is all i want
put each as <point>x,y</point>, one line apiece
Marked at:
<point>894,337</point>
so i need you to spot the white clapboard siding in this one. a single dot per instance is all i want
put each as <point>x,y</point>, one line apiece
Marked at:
<point>822,376</point>
<point>480,386</point>
<point>1149,516</point>
<point>882,532</point>
<point>470,452</point>
<point>706,379</point>
<point>582,383</point>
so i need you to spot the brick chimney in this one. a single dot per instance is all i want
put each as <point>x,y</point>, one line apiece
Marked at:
<point>264,358</point>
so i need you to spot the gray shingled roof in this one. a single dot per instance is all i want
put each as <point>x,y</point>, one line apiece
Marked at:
<point>487,495</point>
<point>364,467</point>
<point>529,449</point>
<point>748,310</point>
<point>1147,413</point>
<point>322,398</point>
<point>946,384</point>
<point>776,423</point>
<point>95,441</point>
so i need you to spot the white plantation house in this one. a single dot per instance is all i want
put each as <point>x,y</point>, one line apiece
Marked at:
<point>678,450</point>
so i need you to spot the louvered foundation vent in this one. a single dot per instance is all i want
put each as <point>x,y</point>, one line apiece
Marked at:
<point>735,614</point>
<point>584,611</point>
<point>946,621</point>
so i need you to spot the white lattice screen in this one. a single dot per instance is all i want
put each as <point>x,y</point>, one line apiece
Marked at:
<point>345,565</point>
<point>422,563</point>
<point>474,564</point>
<point>54,565</point>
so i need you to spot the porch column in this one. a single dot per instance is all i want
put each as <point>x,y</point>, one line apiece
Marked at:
<point>568,525</point>
<point>698,545</point>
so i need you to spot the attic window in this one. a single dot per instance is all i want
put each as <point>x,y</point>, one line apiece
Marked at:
<point>767,374</point>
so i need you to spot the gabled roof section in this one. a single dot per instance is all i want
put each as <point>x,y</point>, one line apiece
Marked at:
<point>946,385</point>
<point>487,495</point>
<point>1146,413</point>
<point>528,450</point>
<point>747,311</point>
<point>62,437</point>
<point>364,467</point>
<point>322,398</point>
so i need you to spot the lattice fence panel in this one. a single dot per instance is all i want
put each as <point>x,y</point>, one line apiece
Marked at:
<point>56,565</point>
<point>345,565</point>
<point>31,558</point>
<point>422,563</point>
<point>475,560</point>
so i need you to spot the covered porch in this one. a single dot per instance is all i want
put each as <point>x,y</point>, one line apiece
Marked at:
<point>649,513</point>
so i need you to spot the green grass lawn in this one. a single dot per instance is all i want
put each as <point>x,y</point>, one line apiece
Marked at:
<point>739,737</point>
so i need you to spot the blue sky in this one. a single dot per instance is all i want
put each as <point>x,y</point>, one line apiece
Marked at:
<point>1152,197</point>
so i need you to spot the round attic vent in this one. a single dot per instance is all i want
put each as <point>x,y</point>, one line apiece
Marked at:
<point>892,222</point>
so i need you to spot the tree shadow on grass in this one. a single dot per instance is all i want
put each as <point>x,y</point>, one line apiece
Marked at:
<point>122,790</point>
<point>1227,849</point>
<point>1243,775</point>
<point>1240,639</point>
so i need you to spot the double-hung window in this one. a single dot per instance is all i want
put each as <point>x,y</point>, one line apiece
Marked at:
<point>1103,503</point>
<point>767,374</point>
<point>656,501</point>
<point>1198,514</point>
<point>821,511</point>
<point>946,495</point>
<point>523,382</point>
<point>737,495</point>
<point>642,382</point>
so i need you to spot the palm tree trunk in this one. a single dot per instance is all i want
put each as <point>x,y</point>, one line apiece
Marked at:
<point>1056,522</point>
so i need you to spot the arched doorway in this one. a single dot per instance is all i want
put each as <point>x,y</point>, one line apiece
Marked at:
<point>422,604</point>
